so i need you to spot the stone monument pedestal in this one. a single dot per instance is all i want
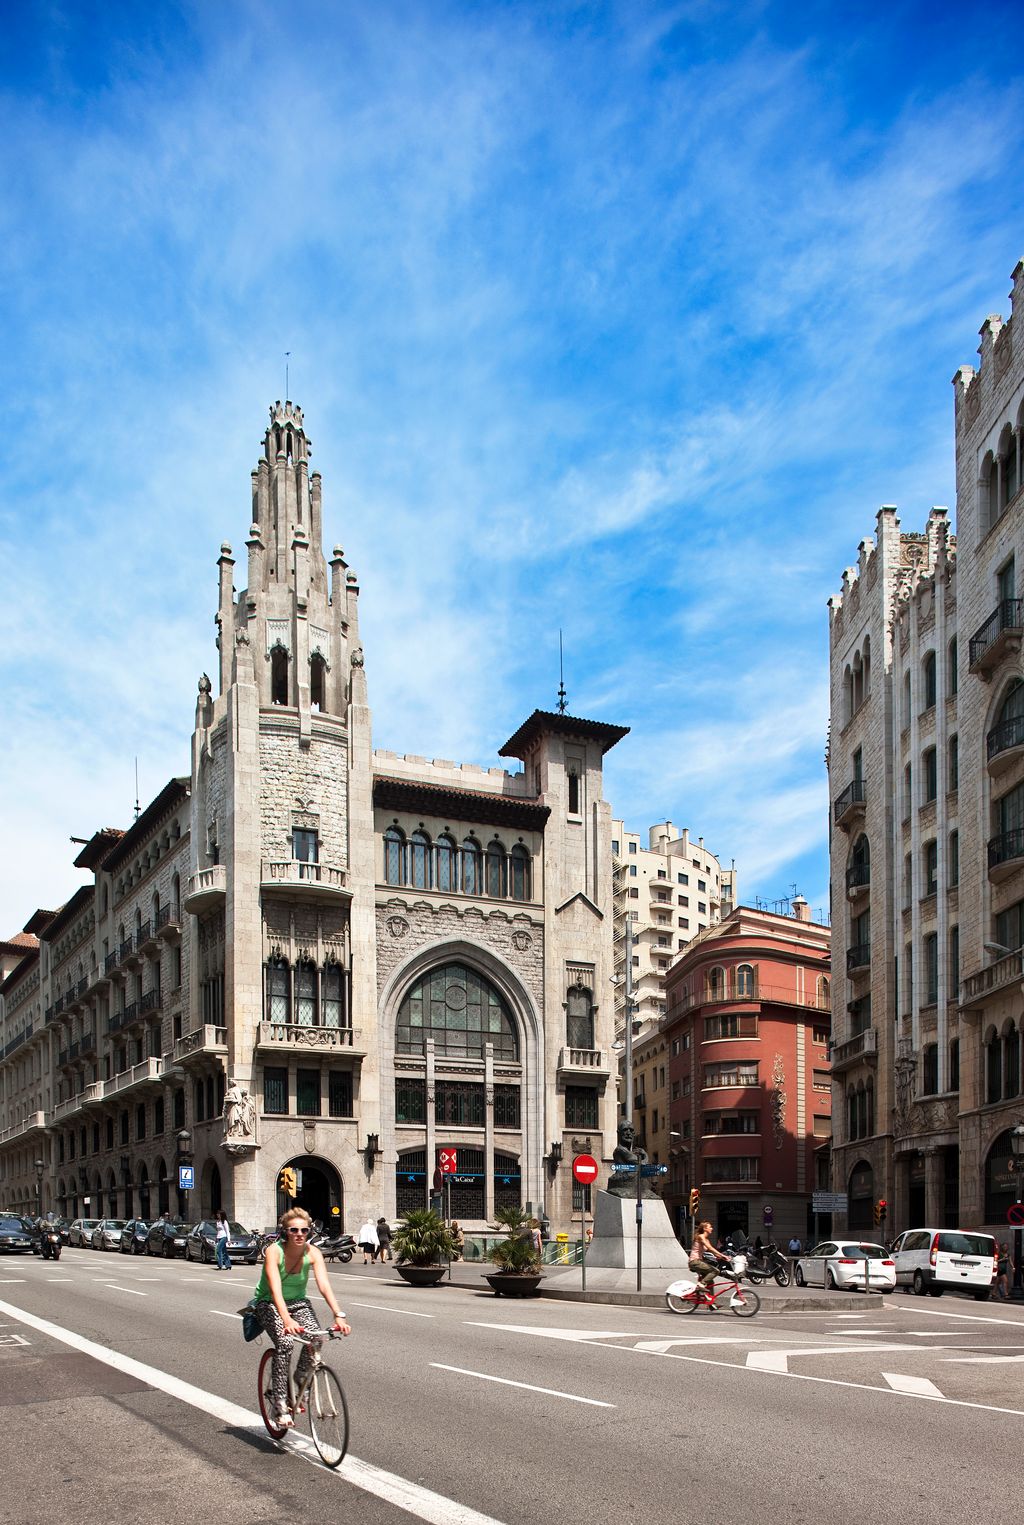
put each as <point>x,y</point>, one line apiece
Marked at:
<point>614,1241</point>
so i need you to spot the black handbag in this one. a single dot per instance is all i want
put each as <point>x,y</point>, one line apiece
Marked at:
<point>251,1326</point>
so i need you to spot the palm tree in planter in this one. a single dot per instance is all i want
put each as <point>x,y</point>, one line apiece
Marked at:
<point>518,1262</point>
<point>422,1246</point>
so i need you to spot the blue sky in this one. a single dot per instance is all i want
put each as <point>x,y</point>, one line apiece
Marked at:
<point>619,318</point>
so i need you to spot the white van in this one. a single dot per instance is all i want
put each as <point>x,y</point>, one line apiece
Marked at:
<point>932,1259</point>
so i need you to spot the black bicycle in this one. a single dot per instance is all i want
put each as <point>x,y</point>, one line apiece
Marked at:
<point>319,1396</point>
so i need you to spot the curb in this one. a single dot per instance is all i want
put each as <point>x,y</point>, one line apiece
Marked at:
<point>839,1301</point>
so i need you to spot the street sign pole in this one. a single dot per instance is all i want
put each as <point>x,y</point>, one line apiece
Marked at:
<point>583,1247</point>
<point>639,1232</point>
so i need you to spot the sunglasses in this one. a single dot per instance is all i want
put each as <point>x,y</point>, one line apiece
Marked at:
<point>297,1230</point>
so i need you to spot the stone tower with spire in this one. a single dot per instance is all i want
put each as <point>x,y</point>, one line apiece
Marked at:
<point>282,838</point>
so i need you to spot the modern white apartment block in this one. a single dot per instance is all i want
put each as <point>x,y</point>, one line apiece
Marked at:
<point>306,953</point>
<point>926,768</point>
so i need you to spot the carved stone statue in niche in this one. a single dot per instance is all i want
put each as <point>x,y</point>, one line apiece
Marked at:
<point>239,1118</point>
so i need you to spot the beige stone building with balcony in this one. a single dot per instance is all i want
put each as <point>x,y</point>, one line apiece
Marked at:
<point>926,770</point>
<point>311,954</point>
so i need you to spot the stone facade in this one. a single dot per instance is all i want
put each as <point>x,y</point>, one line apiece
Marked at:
<point>309,954</point>
<point>926,767</point>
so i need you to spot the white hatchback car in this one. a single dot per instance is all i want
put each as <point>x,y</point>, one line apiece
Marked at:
<point>842,1263</point>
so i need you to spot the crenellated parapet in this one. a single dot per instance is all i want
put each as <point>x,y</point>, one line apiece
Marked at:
<point>970,385</point>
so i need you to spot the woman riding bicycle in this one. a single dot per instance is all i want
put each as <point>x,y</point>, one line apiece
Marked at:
<point>282,1308</point>
<point>703,1253</point>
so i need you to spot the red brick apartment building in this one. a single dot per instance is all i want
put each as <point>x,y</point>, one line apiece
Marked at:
<point>750,1102</point>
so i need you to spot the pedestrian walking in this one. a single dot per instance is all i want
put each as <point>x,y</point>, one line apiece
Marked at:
<point>1003,1263</point>
<point>458,1240</point>
<point>223,1234</point>
<point>383,1239</point>
<point>368,1242</point>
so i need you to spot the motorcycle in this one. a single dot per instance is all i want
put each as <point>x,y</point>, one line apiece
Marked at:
<point>49,1243</point>
<point>338,1247</point>
<point>770,1264</point>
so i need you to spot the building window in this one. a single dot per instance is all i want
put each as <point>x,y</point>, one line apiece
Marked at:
<point>954,858</point>
<point>140,1123</point>
<point>954,1065</point>
<point>446,859</point>
<point>506,1107</point>
<point>394,856</point>
<point>819,1035</point>
<point>954,962</point>
<point>472,874</point>
<point>420,860</point>
<point>275,1090</point>
<point>615,847</point>
<point>519,866</point>
<point>305,994</point>
<point>745,981</point>
<point>739,1168</point>
<point>580,1107</point>
<point>930,1069</point>
<point>305,846</point>
<point>317,682</point>
<point>632,847</point>
<point>574,792</point>
<point>410,1100</point>
<point>953,769</point>
<point>459,1103</point>
<point>730,1025</point>
<point>278,676</point>
<point>339,1093</point>
<point>930,780</point>
<point>579,1018</point>
<point>332,996</point>
<point>461,1011</point>
<point>279,1007</point>
<point>580,1197</point>
<point>951,664</point>
<point>821,1080</point>
<point>307,1093</point>
<point>1009,927</point>
<point>737,1073</point>
<point>928,676</point>
<point>931,867</point>
<point>931,968</point>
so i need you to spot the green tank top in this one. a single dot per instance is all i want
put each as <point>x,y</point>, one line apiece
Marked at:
<point>292,1287</point>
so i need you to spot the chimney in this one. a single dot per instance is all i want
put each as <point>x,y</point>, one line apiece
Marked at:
<point>801,910</point>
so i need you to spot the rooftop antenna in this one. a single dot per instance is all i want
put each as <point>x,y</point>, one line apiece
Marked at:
<point>287,357</point>
<point>136,788</point>
<point>561,678</point>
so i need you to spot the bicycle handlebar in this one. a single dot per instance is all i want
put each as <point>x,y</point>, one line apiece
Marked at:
<point>310,1336</point>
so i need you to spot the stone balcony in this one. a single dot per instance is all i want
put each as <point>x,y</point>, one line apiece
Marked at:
<point>1005,855</point>
<point>863,1046</point>
<point>206,889</point>
<point>148,1073</point>
<point>35,1122</point>
<point>315,883</point>
<point>849,806</point>
<point>582,1061</point>
<point>999,637</point>
<point>205,1041</point>
<point>293,1035</point>
<point>89,1097</point>
<point>1006,973</point>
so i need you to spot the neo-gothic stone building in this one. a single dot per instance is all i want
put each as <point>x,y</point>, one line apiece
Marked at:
<point>315,955</point>
<point>927,789</point>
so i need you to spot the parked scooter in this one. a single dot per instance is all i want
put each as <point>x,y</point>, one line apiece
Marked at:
<point>338,1247</point>
<point>771,1263</point>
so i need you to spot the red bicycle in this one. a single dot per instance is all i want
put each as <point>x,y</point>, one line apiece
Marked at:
<point>688,1295</point>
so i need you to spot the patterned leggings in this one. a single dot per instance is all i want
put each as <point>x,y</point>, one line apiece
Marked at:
<point>270,1321</point>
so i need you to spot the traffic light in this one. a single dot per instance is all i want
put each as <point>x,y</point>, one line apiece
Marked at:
<point>694,1201</point>
<point>880,1210</point>
<point>288,1182</point>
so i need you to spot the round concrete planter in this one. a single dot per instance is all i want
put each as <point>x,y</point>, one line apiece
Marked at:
<point>514,1284</point>
<point>421,1276</point>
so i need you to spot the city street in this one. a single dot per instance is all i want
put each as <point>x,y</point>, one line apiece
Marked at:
<point>128,1389</point>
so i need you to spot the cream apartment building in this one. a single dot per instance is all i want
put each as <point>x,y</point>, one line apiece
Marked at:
<point>926,768</point>
<point>308,953</point>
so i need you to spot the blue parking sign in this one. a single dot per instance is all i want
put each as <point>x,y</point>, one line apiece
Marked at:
<point>186,1177</point>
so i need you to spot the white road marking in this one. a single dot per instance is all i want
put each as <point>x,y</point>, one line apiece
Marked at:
<point>61,1280</point>
<point>918,1385</point>
<point>130,1290</point>
<point>383,1308</point>
<point>582,1335</point>
<point>659,1347</point>
<point>777,1360</point>
<point>221,1314</point>
<point>13,1339</point>
<point>971,1318</point>
<point>551,1392</point>
<point>848,1332</point>
<point>11,1281</point>
<point>851,1315</point>
<point>978,1360</point>
<point>400,1491</point>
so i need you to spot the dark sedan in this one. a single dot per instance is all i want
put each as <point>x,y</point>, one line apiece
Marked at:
<point>167,1238</point>
<point>15,1238</point>
<point>134,1235</point>
<point>202,1243</point>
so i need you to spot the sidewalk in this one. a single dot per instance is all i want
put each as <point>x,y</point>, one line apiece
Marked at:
<point>562,1283</point>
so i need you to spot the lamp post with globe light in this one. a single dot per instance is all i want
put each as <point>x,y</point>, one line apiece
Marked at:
<point>39,1169</point>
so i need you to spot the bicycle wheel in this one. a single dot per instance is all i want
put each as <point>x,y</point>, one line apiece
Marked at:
<point>328,1416</point>
<point>744,1303</point>
<point>266,1395</point>
<point>681,1304</point>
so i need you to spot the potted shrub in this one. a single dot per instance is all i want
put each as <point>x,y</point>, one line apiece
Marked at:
<point>422,1246</point>
<point>517,1259</point>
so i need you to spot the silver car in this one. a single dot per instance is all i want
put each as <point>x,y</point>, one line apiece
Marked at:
<point>80,1232</point>
<point>107,1234</point>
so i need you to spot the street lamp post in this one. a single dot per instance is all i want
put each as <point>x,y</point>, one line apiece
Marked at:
<point>1017,1140</point>
<point>40,1167</point>
<point>184,1142</point>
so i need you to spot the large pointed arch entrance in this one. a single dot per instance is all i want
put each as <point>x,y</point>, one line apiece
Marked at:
<point>319,1189</point>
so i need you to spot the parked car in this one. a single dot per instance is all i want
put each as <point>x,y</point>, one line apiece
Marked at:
<point>167,1237</point>
<point>932,1259</point>
<point>134,1235</point>
<point>202,1243</point>
<point>80,1233</point>
<point>15,1238</point>
<point>107,1234</point>
<point>842,1264</point>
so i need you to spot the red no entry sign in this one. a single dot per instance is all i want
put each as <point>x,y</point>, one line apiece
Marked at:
<point>1015,1214</point>
<point>584,1168</point>
<point>447,1159</point>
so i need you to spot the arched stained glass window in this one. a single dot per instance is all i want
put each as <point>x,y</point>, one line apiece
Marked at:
<point>472,872</point>
<point>419,853</point>
<point>446,854</point>
<point>331,995</point>
<point>461,1011</point>
<point>519,872</point>
<point>579,1017</point>
<point>305,994</point>
<point>394,856</point>
<point>497,871</point>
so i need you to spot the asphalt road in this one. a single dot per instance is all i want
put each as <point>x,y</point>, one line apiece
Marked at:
<point>128,1394</point>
